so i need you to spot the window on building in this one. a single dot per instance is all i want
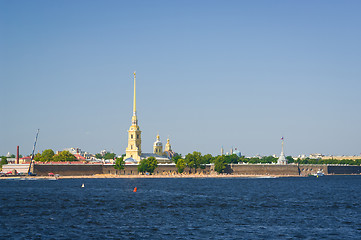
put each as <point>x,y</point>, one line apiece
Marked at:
<point>131,146</point>
<point>137,135</point>
<point>131,135</point>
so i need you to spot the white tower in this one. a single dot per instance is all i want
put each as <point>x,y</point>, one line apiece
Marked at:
<point>282,160</point>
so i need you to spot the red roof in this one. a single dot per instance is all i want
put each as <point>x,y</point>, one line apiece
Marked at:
<point>24,158</point>
<point>79,157</point>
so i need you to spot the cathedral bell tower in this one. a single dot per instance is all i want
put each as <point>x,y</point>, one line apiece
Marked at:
<point>134,134</point>
<point>158,146</point>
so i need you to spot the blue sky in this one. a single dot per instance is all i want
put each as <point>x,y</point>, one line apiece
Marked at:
<point>209,74</point>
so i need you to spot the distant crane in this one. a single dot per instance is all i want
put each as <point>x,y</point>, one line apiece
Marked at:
<point>32,155</point>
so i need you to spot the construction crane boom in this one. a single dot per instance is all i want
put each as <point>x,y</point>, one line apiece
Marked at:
<point>32,155</point>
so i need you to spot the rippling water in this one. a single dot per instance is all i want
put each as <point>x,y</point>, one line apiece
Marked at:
<point>254,208</point>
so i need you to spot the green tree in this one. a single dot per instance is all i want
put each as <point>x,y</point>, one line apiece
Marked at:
<point>290,159</point>
<point>243,159</point>
<point>3,161</point>
<point>152,164</point>
<point>47,155</point>
<point>119,163</point>
<point>193,160</point>
<point>206,159</point>
<point>189,160</point>
<point>37,157</point>
<point>106,156</point>
<point>181,165</point>
<point>268,159</point>
<point>148,165</point>
<point>109,156</point>
<point>176,157</point>
<point>220,164</point>
<point>142,166</point>
<point>64,156</point>
<point>231,158</point>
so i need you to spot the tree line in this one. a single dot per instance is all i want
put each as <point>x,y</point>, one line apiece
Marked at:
<point>328,161</point>
<point>11,156</point>
<point>48,155</point>
<point>106,156</point>
<point>196,161</point>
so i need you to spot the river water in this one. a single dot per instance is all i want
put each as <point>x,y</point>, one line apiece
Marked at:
<point>210,208</point>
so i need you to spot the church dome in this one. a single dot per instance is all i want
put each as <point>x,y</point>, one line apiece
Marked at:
<point>158,143</point>
<point>130,161</point>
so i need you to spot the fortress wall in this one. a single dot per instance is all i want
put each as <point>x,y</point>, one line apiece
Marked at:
<point>128,170</point>
<point>236,169</point>
<point>262,169</point>
<point>344,169</point>
<point>307,169</point>
<point>68,169</point>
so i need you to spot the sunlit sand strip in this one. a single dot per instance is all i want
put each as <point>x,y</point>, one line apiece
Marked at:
<point>149,176</point>
<point>178,176</point>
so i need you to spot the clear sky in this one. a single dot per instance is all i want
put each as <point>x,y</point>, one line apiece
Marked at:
<point>209,74</point>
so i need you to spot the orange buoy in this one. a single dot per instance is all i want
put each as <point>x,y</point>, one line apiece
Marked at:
<point>135,189</point>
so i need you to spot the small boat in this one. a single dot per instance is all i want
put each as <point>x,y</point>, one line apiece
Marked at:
<point>82,185</point>
<point>319,174</point>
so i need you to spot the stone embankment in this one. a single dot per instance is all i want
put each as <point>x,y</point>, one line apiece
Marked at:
<point>171,170</point>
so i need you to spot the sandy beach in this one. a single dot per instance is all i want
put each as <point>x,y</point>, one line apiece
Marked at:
<point>154,176</point>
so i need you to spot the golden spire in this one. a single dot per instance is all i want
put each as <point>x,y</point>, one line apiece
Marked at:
<point>134,102</point>
<point>134,118</point>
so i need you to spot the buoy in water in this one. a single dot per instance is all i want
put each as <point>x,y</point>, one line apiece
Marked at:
<point>82,185</point>
<point>135,189</point>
